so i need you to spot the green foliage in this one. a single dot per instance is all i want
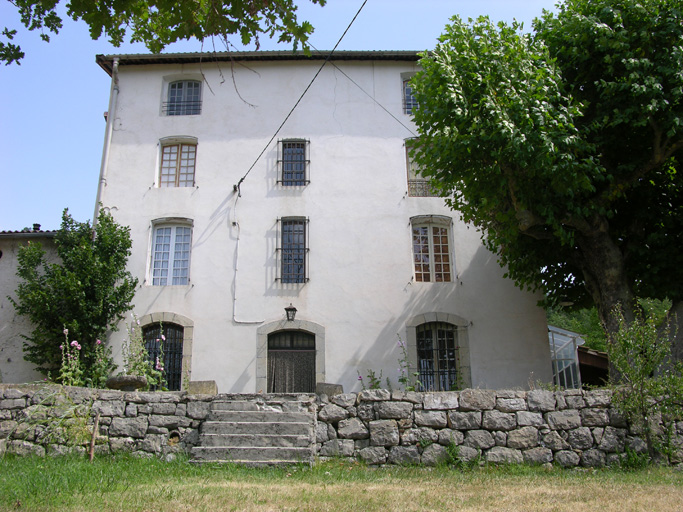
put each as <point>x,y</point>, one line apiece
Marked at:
<point>406,378</point>
<point>136,357</point>
<point>563,145</point>
<point>86,292</point>
<point>157,23</point>
<point>70,371</point>
<point>649,389</point>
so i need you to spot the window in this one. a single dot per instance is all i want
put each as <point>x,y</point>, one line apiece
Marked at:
<point>291,362</point>
<point>437,356</point>
<point>293,160</point>
<point>293,249</point>
<point>409,101</point>
<point>167,352</point>
<point>171,255</point>
<point>418,186</point>
<point>177,165</point>
<point>184,98</point>
<point>431,254</point>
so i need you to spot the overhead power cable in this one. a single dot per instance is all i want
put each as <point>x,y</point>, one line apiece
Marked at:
<point>237,187</point>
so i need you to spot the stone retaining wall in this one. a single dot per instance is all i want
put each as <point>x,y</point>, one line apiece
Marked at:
<point>567,428</point>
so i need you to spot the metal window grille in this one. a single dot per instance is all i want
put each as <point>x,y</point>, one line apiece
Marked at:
<point>437,356</point>
<point>177,165</point>
<point>171,255</point>
<point>184,98</point>
<point>409,101</point>
<point>294,162</point>
<point>172,349</point>
<point>291,362</point>
<point>418,186</point>
<point>293,250</point>
<point>431,253</point>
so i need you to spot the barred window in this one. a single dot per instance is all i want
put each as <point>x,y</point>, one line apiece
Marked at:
<point>418,185</point>
<point>184,98</point>
<point>409,101</point>
<point>177,165</point>
<point>171,255</point>
<point>431,248</point>
<point>164,344</point>
<point>437,356</point>
<point>293,250</point>
<point>293,162</point>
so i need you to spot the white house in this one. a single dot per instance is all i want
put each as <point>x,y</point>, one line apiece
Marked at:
<point>259,180</point>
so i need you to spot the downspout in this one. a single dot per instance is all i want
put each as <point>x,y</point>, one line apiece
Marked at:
<point>109,131</point>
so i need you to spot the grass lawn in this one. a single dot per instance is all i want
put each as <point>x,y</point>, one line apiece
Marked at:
<point>125,483</point>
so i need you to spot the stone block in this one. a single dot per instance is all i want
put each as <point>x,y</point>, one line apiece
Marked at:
<point>477,399</point>
<point>419,435</point>
<point>511,404</point>
<point>151,443</point>
<point>541,400</point>
<point>598,397</point>
<point>169,422</point>
<point>181,410</point>
<point>593,459</point>
<point>567,459</point>
<point>510,393</point>
<point>321,434</point>
<point>467,453</point>
<point>25,448</point>
<point>325,388</point>
<point>523,438</point>
<point>344,399</point>
<point>122,444</point>
<point>337,448</point>
<point>464,420</point>
<point>352,428</point>
<point>198,410</point>
<point>434,419</point>
<point>373,455</point>
<point>366,411</point>
<point>500,438</point>
<point>538,455</point>
<point>503,455</point>
<point>575,402</point>
<point>594,417</point>
<point>553,441</point>
<point>202,387</point>
<point>384,433</point>
<point>580,438</point>
<point>110,407</point>
<point>374,395</point>
<point>434,454</point>
<point>128,427</point>
<point>407,396</point>
<point>13,403</point>
<point>404,455</point>
<point>448,436</point>
<point>496,420</point>
<point>332,413</point>
<point>564,420</point>
<point>613,440</point>
<point>394,410</point>
<point>526,419</point>
<point>164,408</point>
<point>440,401</point>
<point>481,439</point>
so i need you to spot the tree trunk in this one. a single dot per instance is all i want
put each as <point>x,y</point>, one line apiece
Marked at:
<point>676,330</point>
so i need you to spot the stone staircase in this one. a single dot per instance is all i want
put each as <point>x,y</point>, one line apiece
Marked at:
<point>257,433</point>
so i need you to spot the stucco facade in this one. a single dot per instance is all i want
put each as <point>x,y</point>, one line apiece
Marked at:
<point>359,295</point>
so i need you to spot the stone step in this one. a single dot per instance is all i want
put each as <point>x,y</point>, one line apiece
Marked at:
<point>258,427</point>
<point>254,440</point>
<point>259,416</point>
<point>235,405</point>
<point>252,454</point>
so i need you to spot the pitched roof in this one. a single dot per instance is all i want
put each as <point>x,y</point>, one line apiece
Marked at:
<point>106,61</point>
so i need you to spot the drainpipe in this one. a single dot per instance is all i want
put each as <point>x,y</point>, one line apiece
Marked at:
<point>111,116</point>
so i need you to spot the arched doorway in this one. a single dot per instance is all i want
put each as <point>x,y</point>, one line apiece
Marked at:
<point>291,362</point>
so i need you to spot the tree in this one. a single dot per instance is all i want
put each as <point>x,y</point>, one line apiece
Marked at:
<point>157,23</point>
<point>563,147</point>
<point>86,292</point>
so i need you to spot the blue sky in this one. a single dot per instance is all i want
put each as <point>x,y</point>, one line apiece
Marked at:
<point>52,106</point>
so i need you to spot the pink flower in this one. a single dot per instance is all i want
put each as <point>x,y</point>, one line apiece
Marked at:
<point>66,332</point>
<point>360,378</point>
<point>163,337</point>
<point>61,347</point>
<point>159,366</point>
<point>74,343</point>
<point>99,342</point>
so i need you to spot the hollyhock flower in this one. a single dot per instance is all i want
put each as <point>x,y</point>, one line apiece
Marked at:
<point>66,332</point>
<point>99,342</point>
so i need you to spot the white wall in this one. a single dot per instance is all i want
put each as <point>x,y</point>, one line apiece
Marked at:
<point>361,287</point>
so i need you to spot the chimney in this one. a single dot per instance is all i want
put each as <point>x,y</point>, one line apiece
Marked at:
<point>36,227</point>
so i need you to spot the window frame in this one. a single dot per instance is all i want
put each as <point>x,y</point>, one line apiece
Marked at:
<point>284,174</point>
<point>174,335</point>
<point>179,143</point>
<point>433,362</point>
<point>409,102</point>
<point>418,185</point>
<point>160,275</point>
<point>186,105</point>
<point>297,249</point>
<point>430,222</point>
